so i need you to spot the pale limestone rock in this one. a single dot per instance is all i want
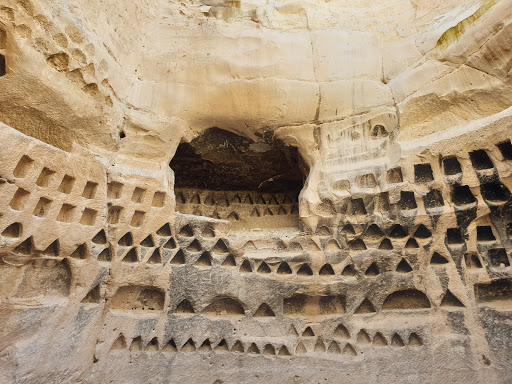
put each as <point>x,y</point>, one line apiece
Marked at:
<point>255,192</point>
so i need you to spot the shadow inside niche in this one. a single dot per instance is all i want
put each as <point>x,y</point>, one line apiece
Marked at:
<point>226,176</point>
<point>224,161</point>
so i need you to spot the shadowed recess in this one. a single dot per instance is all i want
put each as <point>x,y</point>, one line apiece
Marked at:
<point>221,160</point>
<point>497,293</point>
<point>405,300</point>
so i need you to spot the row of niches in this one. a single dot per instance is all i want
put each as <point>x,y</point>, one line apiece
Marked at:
<point>161,243</point>
<point>66,198</point>
<point>230,198</point>
<point>316,346</point>
<point>137,345</point>
<point>155,249</point>
<point>362,337</point>
<point>450,167</point>
<point>205,249</point>
<point>494,259</point>
<point>46,178</point>
<point>434,202</point>
<point>338,328</point>
<point>144,299</point>
<point>45,207</point>
<point>420,232</point>
<point>26,256</point>
<point>357,237</point>
<point>55,195</point>
<point>69,184</point>
<point>362,237</point>
<point>242,208</point>
<point>139,195</point>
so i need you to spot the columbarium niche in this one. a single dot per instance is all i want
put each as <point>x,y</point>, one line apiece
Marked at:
<point>226,176</point>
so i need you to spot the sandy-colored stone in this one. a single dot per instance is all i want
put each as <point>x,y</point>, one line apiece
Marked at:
<point>255,192</point>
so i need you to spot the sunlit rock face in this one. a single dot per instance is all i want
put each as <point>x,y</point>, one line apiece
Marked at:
<point>232,192</point>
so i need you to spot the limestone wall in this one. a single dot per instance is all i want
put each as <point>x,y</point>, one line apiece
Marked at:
<point>392,264</point>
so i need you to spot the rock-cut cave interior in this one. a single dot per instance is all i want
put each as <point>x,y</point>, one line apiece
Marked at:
<point>228,192</point>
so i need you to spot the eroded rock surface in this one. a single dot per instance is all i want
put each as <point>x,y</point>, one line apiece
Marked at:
<point>263,192</point>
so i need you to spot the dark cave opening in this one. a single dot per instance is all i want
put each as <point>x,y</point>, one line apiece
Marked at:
<point>224,175</point>
<point>224,161</point>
